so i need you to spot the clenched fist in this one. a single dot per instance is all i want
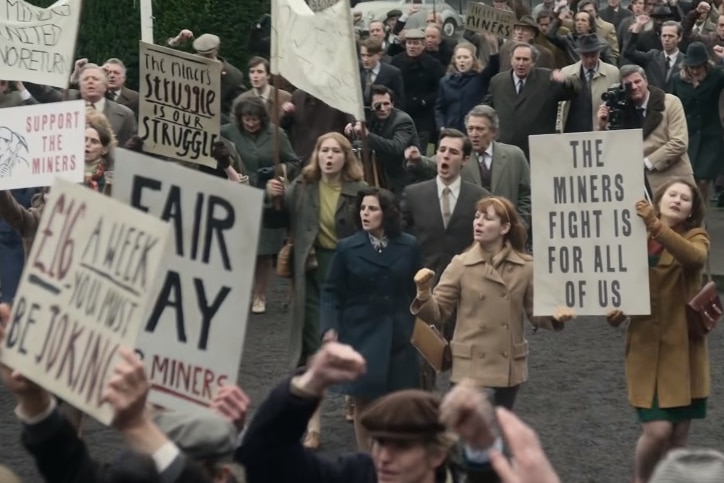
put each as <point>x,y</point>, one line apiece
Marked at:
<point>423,281</point>
<point>616,317</point>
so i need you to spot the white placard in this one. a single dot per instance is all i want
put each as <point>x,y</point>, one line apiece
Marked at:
<point>85,288</point>
<point>41,142</point>
<point>37,44</point>
<point>589,246</point>
<point>192,340</point>
<point>317,53</point>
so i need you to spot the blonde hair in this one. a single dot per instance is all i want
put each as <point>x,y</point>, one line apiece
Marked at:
<point>477,67</point>
<point>685,72</point>
<point>352,169</point>
<point>97,120</point>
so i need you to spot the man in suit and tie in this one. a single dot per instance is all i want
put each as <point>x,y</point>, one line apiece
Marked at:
<point>526,97</point>
<point>93,87</point>
<point>659,65</point>
<point>443,228</point>
<point>259,76</point>
<point>500,168</point>
<point>375,72</point>
<point>115,70</point>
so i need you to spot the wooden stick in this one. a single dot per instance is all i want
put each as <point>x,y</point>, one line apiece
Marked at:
<point>278,171</point>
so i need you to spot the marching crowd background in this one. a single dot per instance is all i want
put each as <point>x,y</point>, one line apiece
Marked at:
<point>444,240</point>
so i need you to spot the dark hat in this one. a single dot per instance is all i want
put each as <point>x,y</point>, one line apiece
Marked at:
<point>414,34</point>
<point>206,43</point>
<point>410,415</point>
<point>394,14</point>
<point>589,43</point>
<point>529,22</point>
<point>661,11</point>
<point>696,54</point>
<point>683,465</point>
<point>203,435</point>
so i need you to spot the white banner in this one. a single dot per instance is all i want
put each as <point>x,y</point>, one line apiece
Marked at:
<point>87,282</point>
<point>41,142</point>
<point>317,52</point>
<point>589,246</point>
<point>37,44</point>
<point>193,337</point>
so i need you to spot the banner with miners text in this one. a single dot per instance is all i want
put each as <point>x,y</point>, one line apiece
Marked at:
<point>192,339</point>
<point>589,246</point>
<point>85,288</point>
<point>180,104</point>
<point>37,44</point>
<point>486,19</point>
<point>41,142</point>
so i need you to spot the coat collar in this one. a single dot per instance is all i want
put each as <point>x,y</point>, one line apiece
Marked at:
<point>475,256</point>
<point>395,250</point>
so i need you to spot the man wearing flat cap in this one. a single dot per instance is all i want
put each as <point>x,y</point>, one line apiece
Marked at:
<point>411,442</point>
<point>526,30</point>
<point>580,113</point>
<point>232,80</point>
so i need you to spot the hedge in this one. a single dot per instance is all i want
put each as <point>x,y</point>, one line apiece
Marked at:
<point>112,28</point>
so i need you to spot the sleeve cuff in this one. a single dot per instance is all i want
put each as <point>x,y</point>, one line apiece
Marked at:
<point>165,455</point>
<point>28,420</point>
<point>648,164</point>
<point>25,95</point>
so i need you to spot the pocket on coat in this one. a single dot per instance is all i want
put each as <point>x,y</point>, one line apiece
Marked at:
<point>462,356</point>
<point>520,350</point>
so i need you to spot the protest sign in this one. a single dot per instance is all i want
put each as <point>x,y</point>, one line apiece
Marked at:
<point>192,340</point>
<point>40,142</point>
<point>484,18</point>
<point>180,105</point>
<point>317,53</point>
<point>83,294</point>
<point>37,44</point>
<point>589,246</point>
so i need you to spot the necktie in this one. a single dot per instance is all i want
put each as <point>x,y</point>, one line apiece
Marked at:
<point>368,83</point>
<point>589,76</point>
<point>446,206</point>
<point>667,67</point>
<point>485,172</point>
<point>641,112</point>
<point>521,84</point>
<point>91,105</point>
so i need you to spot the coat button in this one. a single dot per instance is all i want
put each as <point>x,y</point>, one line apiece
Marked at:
<point>482,296</point>
<point>505,354</point>
<point>481,354</point>
<point>505,326</point>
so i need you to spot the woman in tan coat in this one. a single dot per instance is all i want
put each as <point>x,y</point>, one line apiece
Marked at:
<point>491,284</point>
<point>667,371</point>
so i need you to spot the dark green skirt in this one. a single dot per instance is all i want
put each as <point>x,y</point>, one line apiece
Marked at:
<point>695,410</point>
<point>313,280</point>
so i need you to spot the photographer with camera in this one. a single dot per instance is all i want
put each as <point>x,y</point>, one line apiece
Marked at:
<point>661,117</point>
<point>389,132</point>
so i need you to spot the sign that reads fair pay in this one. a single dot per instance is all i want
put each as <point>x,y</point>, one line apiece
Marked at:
<point>83,293</point>
<point>589,245</point>
<point>192,339</point>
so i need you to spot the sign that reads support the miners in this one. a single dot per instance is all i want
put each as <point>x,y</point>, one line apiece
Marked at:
<point>589,245</point>
<point>484,18</point>
<point>37,44</point>
<point>85,288</point>
<point>180,104</point>
<point>192,339</point>
<point>41,142</point>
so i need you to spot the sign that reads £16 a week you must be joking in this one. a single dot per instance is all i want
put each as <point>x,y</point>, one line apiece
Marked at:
<point>589,245</point>
<point>37,44</point>
<point>41,142</point>
<point>193,337</point>
<point>180,104</point>
<point>83,293</point>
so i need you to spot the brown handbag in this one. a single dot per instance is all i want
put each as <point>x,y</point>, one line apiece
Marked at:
<point>704,310</point>
<point>432,345</point>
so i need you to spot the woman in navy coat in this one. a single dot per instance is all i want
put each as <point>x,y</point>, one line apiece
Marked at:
<point>465,85</point>
<point>366,299</point>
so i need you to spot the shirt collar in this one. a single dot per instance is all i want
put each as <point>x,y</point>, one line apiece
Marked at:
<point>644,106</point>
<point>266,93</point>
<point>454,186</point>
<point>517,79</point>
<point>376,69</point>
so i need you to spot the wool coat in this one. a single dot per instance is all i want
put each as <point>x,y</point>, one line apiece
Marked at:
<point>493,298</point>
<point>366,299</point>
<point>661,358</point>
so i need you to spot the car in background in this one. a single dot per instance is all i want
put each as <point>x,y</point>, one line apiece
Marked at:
<point>377,10</point>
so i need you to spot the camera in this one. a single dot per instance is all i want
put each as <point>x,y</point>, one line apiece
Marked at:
<point>377,107</point>
<point>616,99</point>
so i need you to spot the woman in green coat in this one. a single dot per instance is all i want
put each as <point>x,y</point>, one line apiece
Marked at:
<point>253,136</point>
<point>320,205</point>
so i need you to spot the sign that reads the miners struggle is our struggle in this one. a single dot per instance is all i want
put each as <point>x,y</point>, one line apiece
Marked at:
<point>180,104</point>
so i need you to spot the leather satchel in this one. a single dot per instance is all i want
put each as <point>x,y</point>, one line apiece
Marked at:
<point>704,310</point>
<point>285,260</point>
<point>432,345</point>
